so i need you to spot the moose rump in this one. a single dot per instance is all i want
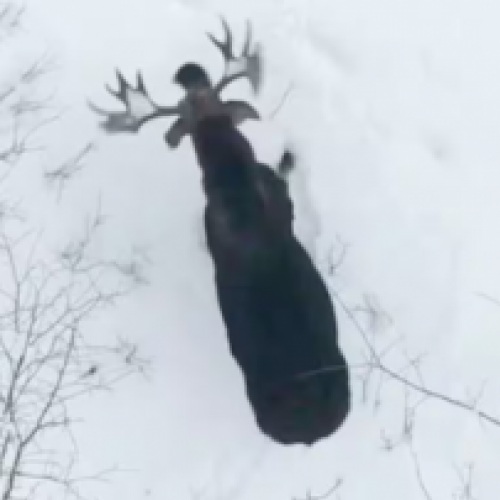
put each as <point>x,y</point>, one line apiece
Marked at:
<point>278,314</point>
<point>282,332</point>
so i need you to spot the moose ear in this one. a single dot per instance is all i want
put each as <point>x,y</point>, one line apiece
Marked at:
<point>240,111</point>
<point>176,133</point>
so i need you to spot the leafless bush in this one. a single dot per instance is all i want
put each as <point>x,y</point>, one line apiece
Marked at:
<point>46,359</point>
<point>369,320</point>
<point>410,375</point>
<point>47,300</point>
<point>25,108</point>
<point>416,382</point>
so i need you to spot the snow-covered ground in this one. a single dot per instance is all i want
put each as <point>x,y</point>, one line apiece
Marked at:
<point>395,113</point>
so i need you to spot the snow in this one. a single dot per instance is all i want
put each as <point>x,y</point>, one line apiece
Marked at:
<point>395,114</point>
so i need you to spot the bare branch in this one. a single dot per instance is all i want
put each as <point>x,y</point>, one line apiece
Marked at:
<point>10,18</point>
<point>39,68</point>
<point>419,474</point>
<point>417,386</point>
<point>378,319</point>
<point>336,486</point>
<point>43,308</point>
<point>333,263</point>
<point>281,102</point>
<point>465,491</point>
<point>61,175</point>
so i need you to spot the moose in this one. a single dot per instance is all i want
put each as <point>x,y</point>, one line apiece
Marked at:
<point>280,321</point>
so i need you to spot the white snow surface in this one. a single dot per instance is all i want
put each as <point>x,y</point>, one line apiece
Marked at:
<point>395,115</point>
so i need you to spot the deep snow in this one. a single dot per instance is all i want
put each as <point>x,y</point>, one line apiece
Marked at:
<point>395,113</point>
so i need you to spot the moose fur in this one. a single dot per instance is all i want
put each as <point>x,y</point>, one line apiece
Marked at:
<point>279,317</point>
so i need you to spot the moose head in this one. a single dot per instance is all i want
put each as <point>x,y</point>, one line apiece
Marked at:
<point>202,98</point>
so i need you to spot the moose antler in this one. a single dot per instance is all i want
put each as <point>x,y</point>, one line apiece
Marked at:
<point>248,64</point>
<point>201,97</point>
<point>139,107</point>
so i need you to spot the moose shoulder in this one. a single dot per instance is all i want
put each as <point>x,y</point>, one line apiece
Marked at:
<point>278,314</point>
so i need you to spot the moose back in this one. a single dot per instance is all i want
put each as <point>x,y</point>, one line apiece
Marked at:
<point>279,317</point>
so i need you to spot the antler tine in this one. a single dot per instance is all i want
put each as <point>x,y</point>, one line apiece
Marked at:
<point>226,47</point>
<point>247,65</point>
<point>248,39</point>
<point>139,107</point>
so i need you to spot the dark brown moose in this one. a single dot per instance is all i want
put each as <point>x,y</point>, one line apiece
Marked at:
<point>280,320</point>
